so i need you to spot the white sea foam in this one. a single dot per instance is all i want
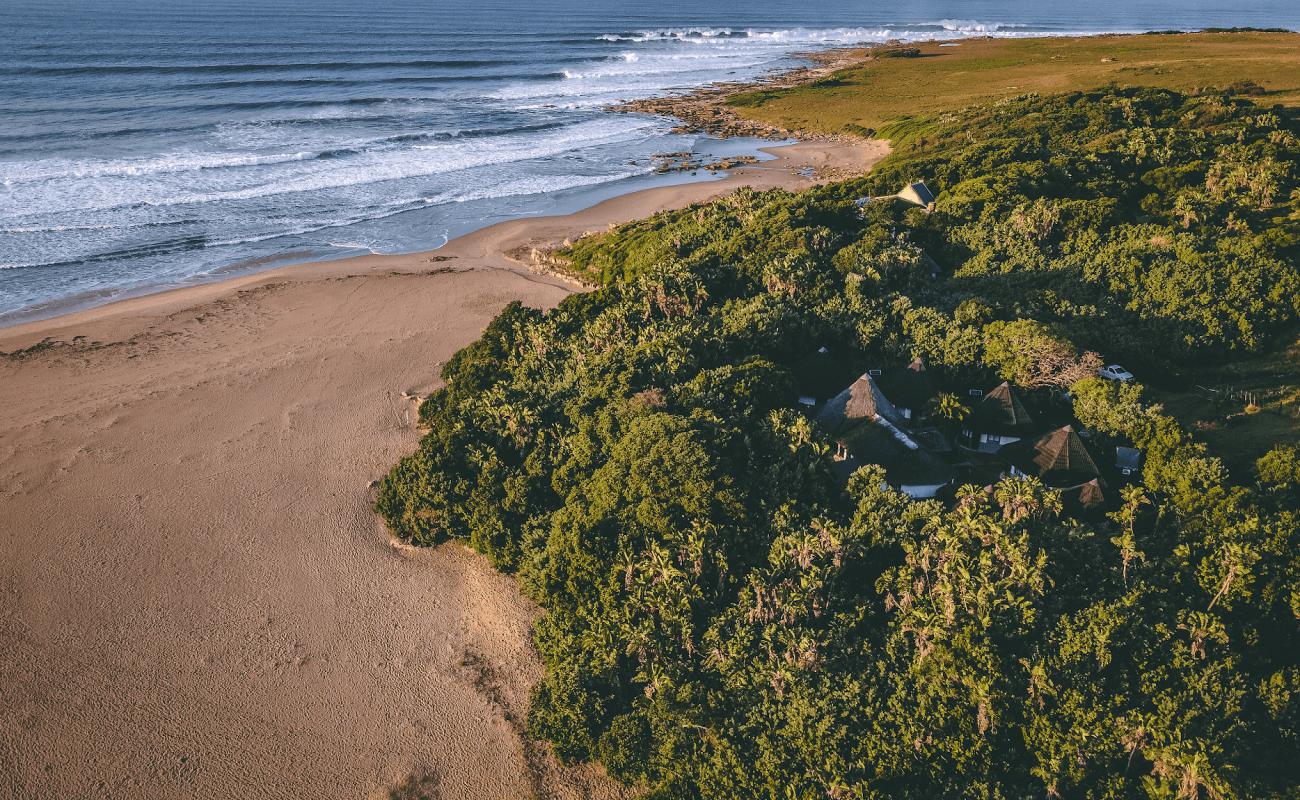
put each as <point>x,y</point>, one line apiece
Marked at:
<point>56,228</point>
<point>973,26</point>
<point>333,195</point>
<point>518,187</point>
<point>178,180</point>
<point>344,245</point>
<point>668,34</point>
<point>45,170</point>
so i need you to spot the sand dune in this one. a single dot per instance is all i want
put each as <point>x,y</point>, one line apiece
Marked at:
<point>195,599</point>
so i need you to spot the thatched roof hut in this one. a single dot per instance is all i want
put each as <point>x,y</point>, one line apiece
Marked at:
<point>1059,459</point>
<point>1002,411</point>
<point>913,471</point>
<point>863,401</point>
<point>1092,495</point>
<point>999,419</point>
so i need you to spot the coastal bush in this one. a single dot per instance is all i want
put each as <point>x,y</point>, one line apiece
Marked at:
<point>1280,467</point>
<point>724,617</point>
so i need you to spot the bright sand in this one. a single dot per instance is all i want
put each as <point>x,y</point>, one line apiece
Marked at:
<point>195,597</point>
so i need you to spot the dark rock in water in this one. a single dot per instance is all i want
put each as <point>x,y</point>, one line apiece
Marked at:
<point>689,162</point>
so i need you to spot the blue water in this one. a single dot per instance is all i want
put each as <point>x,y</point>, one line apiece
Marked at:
<point>146,144</point>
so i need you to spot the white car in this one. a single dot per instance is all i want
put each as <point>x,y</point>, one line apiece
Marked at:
<point>1115,372</point>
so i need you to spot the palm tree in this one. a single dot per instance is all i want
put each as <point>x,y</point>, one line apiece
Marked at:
<point>949,409</point>
<point>1025,497</point>
<point>1133,499</point>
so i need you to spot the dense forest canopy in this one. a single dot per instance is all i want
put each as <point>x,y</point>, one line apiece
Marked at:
<point>725,618</point>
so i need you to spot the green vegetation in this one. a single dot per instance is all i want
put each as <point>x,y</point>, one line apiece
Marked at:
<point>1258,64</point>
<point>724,618</point>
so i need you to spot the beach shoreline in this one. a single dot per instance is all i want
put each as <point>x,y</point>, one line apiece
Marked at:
<point>192,561</point>
<point>703,167</point>
<point>815,159</point>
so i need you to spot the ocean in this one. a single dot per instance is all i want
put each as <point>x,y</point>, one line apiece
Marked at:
<point>150,144</point>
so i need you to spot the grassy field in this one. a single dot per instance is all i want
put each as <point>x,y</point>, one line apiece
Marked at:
<point>880,90</point>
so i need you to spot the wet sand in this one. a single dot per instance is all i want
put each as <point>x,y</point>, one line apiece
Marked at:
<point>195,598</point>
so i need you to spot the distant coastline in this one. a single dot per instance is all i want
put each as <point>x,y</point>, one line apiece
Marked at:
<point>211,161</point>
<point>730,138</point>
<point>240,161</point>
<point>711,110</point>
<point>977,70</point>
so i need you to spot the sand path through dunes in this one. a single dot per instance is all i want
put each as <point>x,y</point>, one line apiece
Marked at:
<point>195,598</point>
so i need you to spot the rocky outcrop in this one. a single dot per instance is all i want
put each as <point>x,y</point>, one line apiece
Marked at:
<point>705,110</point>
<point>691,162</point>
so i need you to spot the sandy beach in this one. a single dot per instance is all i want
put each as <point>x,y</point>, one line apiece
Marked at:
<point>196,598</point>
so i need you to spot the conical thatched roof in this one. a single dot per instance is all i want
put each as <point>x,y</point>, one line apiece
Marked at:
<point>861,402</point>
<point>909,387</point>
<point>1001,411</point>
<point>1059,458</point>
<point>1091,494</point>
<point>1087,499</point>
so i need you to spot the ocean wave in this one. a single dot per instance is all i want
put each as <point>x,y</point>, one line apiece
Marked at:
<point>30,229</point>
<point>972,26</point>
<point>171,163</point>
<point>42,171</point>
<point>344,245</point>
<point>388,80</point>
<point>513,187</point>
<point>204,69</point>
<point>648,70</point>
<point>158,247</point>
<point>474,133</point>
<point>115,133</point>
<point>172,181</point>
<point>102,109</point>
<point>236,131</point>
<point>831,35</point>
<point>679,34</point>
<point>56,228</point>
